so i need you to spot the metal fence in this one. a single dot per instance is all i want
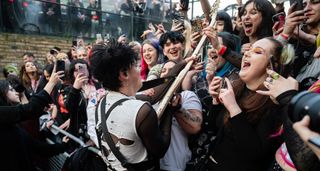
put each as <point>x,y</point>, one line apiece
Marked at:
<point>57,162</point>
<point>67,19</point>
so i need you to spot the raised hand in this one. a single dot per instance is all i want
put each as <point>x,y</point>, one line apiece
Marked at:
<point>151,27</point>
<point>276,85</point>
<point>227,97</point>
<point>149,92</point>
<point>145,33</point>
<point>276,29</point>
<point>80,81</point>
<point>65,125</point>
<point>213,37</point>
<point>177,27</point>
<point>55,78</point>
<point>211,68</point>
<point>160,28</point>
<point>303,130</point>
<point>293,19</point>
<point>195,38</point>
<point>214,88</point>
<point>245,47</point>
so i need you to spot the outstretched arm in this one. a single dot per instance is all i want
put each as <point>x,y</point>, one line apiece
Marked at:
<point>153,135</point>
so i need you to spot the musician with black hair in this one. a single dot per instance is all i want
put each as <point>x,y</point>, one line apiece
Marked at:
<point>134,124</point>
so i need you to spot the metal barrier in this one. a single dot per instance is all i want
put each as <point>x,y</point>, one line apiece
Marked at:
<point>29,17</point>
<point>56,162</point>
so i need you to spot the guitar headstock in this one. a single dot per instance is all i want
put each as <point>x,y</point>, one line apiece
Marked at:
<point>214,9</point>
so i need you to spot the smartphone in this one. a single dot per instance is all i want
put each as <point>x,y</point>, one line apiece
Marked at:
<point>196,25</point>
<point>299,5</point>
<point>223,83</point>
<point>60,66</point>
<point>81,69</point>
<point>279,17</point>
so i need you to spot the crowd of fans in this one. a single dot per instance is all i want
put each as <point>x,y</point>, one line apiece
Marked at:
<point>86,18</point>
<point>231,111</point>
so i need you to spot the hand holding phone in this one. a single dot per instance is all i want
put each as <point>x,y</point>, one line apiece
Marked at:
<point>279,21</point>
<point>298,5</point>
<point>196,25</point>
<point>81,69</point>
<point>215,86</point>
<point>223,84</point>
<point>294,18</point>
<point>60,67</point>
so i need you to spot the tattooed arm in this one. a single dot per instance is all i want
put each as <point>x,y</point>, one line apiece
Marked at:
<point>190,120</point>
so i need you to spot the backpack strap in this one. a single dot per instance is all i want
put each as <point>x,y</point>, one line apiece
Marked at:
<point>107,136</point>
<point>99,129</point>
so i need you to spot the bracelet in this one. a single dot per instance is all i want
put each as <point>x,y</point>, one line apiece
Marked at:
<point>285,36</point>
<point>222,50</point>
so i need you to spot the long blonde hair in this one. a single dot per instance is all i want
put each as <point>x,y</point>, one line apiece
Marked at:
<point>187,34</point>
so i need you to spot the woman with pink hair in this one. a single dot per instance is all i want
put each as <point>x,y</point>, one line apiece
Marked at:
<point>151,57</point>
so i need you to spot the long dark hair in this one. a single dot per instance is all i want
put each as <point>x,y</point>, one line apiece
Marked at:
<point>267,11</point>
<point>4,88</point>
<point>224,16</point>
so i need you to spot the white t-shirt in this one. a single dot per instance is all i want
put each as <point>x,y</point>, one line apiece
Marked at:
<point>122,123</point>
<point>179,153</point>
<point>91,109</point>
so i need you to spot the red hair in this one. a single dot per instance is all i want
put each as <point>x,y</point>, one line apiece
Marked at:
<point>144,67</point>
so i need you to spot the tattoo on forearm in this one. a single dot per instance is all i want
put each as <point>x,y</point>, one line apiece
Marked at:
<point>189,116</point>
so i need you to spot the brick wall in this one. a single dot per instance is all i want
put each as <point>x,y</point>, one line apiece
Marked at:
<point>13,46</point>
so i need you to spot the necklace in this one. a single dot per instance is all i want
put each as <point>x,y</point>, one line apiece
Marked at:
<point>87,90</point>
